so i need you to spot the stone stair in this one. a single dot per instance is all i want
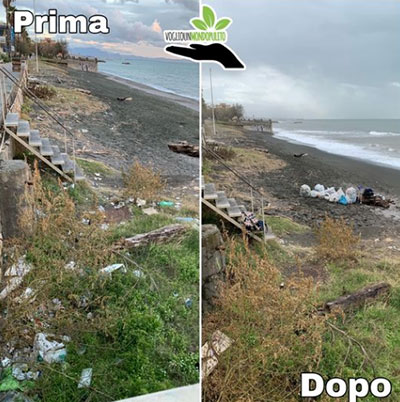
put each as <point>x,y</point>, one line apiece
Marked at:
<point>228,208</point>
<point>31,139</point>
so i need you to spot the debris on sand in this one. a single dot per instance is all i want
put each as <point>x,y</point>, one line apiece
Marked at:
<point>125,99</point>
<point>49,351</point>
<point>112,268</point>
<point>16,276</point>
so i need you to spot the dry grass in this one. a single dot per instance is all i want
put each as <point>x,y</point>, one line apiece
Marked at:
<point>143,182</point>
<point>276,335</point>
<point>337,240</point>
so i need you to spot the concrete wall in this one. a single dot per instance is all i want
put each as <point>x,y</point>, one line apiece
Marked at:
<point>213,264</point>
<point>14,176</point>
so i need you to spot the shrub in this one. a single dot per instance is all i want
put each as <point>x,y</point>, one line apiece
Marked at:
<point>143,182</point>
<point>43,91</point>
<point>275,333</point>
<point>336,240</point>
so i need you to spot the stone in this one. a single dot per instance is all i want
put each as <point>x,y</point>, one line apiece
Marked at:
<point>13,179</point>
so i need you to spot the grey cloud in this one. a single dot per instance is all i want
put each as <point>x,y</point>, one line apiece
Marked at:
<point>190,4</point>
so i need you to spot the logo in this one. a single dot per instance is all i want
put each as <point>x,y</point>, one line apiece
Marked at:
<point>207,42</point>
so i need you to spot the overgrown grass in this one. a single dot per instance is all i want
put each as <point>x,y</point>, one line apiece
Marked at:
<point>135,329</point>
<point>92,167</point>
<point>283,226</point>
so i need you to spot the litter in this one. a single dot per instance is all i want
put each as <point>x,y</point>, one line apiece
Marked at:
<point>138,273</point>
<point>140,202</point>
<point>104,226</point>
<point>86,378</point>
<point>209,353</point>
<point>49,351</point>
<point>188,303</point>
<point>114,267</point>
<point>19,371</point>
<point>5,362</point>
<point>16,273</point>
<point>305,191</point>
<point>71,266</point>
<point>166,204</point>
<point>150,211</point>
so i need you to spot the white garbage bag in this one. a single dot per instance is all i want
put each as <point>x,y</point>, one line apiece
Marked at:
<point>305,191</point>
<point>314,194</point>
<point>319,188</point>
<point>351,195</point>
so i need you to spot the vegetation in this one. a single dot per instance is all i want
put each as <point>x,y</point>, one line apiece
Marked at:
<point>143,182</point>
<point>133,328</point>
<point>273,320</point>
<point>223,111</point>
<point>51,48</point>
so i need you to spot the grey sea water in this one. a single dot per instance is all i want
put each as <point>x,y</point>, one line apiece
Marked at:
<point>375,141</point>
<point>178,77</point>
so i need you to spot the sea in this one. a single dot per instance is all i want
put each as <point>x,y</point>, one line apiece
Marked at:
<point>374,141</point>
<point>172,76</point>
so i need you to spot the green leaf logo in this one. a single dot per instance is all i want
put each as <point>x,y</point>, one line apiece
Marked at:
<point>199,24</point>
<point>209,19</point>
<point>208,16</point>
<point>223,23</point>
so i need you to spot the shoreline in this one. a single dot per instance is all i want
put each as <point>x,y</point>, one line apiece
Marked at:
<point>187,102</point>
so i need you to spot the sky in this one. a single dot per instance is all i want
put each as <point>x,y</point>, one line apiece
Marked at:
<point>315,59</point>
<point>136,25</point>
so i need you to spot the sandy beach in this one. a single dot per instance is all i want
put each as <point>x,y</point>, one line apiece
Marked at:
<point>120,132</point>
<point>282,185</point>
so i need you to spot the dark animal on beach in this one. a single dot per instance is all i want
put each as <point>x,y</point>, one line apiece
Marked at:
<point>300,155</point>
<point>127,98</point>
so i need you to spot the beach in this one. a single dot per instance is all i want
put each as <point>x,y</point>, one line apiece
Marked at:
<point>282,185</point>
<point>139,128</point>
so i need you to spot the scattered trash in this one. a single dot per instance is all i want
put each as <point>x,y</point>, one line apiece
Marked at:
<point>195,223</point>
<point>125,99</point>
<point>97,174</point>
<point>28,293</point>
<point>16,273</point>
<point>49,351</point>
<point>84,131</point>
<point>9,383</point>
<point>19,371</point>
<point>86,378</point>
<point>104,226</point>
<point>305,191</point>
<point>138,273</point>
<point>102,209</point>
<point>209,353</point>
<point>5,362</point>
<point>188,303</point>
<point>12,396</point>
<point>140,202</point>
<point>86,221</point>
<point>166,204</point>
<point>71,266</point>
<point>150,211</point>
<point>114,267</point>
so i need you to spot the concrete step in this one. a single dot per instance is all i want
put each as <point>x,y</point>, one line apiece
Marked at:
<point>46,149</point>
<point>57,159</point>
<point>242,208</point>
<point>11,120</point>
<point>233,210</point>
<point>23,129</point>
<point>202,183</point>
<point>68,166</point>
<point>222,200</point>
<point>34,139</point>
<point>210,192</point>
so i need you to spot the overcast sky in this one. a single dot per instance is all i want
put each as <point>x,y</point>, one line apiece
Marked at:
<point>312,58</point>
<point>136,25</point>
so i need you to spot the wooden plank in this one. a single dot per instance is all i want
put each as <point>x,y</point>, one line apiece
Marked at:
<point>229,219</point>
<point>37,154</point>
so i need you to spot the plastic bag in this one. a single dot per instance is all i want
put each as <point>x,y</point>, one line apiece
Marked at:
<point>343,200</point>
<point>351,195</point>
<point>319,188</point>
<point>305,191</point>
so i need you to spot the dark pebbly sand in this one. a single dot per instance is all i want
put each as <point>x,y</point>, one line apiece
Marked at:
<point>139,128</point>
<point>282,185</point>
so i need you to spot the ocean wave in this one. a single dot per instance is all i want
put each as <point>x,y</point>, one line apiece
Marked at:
<point>382,133</point>
<point>376,156</point>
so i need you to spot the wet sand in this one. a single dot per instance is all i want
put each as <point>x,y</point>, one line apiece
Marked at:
<point>181,100</point>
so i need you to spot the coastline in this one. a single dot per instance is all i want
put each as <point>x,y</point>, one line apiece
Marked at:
<point>190,103</point>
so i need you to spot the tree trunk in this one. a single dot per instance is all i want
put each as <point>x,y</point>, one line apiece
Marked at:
<point>357,299</point>
<point>159,236</point>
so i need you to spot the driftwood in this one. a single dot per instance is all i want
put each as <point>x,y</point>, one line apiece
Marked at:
<point>124,99</point>
<point>358,298</point>
<point>183,147</point>
<point>84,91</point>
<point>159,236</point>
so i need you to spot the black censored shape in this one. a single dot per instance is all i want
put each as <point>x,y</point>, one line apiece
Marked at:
<point>214,52</point>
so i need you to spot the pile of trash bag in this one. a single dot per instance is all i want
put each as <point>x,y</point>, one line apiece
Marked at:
<point>350,196</point>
